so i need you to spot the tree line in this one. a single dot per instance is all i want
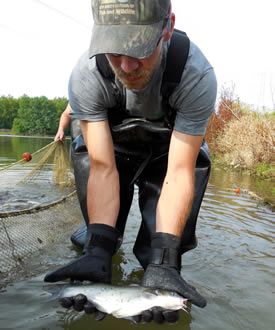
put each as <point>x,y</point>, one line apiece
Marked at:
<point>31,115</point>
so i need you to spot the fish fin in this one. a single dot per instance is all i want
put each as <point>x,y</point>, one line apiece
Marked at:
<point>130,318</point>
<point>135,319</point>
<point>151,292</point>
<point>54,290</point>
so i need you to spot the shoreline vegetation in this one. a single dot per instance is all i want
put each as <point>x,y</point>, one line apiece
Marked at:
<point>239,137</point>
<point>31,115</point>
<point>243,140</point>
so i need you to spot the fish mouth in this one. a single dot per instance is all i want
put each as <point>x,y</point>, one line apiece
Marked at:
<point>185,306</point>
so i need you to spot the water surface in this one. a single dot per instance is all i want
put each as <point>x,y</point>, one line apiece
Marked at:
<point>233,267</point>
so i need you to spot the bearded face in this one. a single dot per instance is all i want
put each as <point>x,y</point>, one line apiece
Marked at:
<point>135,73</point>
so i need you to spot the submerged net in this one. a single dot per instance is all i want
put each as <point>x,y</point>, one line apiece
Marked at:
<point>23,234</point>
<point>38,204</point>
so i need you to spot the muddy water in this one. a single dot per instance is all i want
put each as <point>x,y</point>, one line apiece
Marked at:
<point>233,267</point>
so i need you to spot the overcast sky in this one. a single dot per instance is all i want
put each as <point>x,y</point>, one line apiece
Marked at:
<point>40,41</point>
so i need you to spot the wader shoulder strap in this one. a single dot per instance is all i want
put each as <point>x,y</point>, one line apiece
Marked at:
<point>104,67</point>
<point>176,59</point>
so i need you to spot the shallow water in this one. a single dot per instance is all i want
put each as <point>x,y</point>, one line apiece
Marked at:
<point>233,267</point>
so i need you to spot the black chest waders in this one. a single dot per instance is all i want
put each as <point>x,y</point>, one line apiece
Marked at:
<point>141,153</point>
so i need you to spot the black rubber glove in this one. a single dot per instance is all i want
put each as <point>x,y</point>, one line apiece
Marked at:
<point>94,265</point>
<point>163,272</point>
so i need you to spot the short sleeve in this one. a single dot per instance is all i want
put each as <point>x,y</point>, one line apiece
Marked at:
<point>90,94</point>
<point>194,99</point>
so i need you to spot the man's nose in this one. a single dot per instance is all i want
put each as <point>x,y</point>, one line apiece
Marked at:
<point>128,64</point>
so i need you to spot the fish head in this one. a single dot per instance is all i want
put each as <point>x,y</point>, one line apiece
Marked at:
<point>172,300</point>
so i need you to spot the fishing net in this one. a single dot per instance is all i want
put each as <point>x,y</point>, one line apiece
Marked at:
<point>38,204</point>
<point>50,163</point>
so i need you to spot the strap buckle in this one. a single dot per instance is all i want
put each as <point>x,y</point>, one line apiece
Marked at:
<point>166,256</point>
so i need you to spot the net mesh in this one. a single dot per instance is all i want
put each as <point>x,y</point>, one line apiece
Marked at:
<point>38,204</point>
<point>47,177</point>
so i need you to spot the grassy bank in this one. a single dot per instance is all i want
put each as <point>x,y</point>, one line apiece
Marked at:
<point>11,132</point>
<point>247,143</point>
<point>243,139</point>
<point>4,131</point>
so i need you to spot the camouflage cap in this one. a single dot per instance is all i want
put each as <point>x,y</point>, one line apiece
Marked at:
<point>127,27</point>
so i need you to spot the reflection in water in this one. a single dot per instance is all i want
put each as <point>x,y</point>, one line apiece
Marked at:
<point>233,266</point>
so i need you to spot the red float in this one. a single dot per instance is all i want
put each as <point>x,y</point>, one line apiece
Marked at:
<point>26,156</point>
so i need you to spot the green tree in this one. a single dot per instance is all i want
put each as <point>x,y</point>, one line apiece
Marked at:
<point>23,122</point>
<point>8,111</point>
<point>35,116</point>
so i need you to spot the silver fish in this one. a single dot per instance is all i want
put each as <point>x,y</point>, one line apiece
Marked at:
<point>127,301</point>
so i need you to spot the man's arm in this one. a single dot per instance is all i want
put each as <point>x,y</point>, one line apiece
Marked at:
<point>103,204</point>
<point>164,269</point>
<point>63,123</point>
<point>178,187</point>
<point>103,184</point>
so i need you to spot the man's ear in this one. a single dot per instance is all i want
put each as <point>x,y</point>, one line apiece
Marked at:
<point>168,34</point>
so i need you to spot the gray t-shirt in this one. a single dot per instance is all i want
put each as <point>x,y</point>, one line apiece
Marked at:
<point>91,95</point>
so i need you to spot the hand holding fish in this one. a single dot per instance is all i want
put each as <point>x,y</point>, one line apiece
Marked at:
<point>80,303</point>
<point>129,302</point>
<point>94,266</point>
<point>168,278</point>
<point>163,272</point>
